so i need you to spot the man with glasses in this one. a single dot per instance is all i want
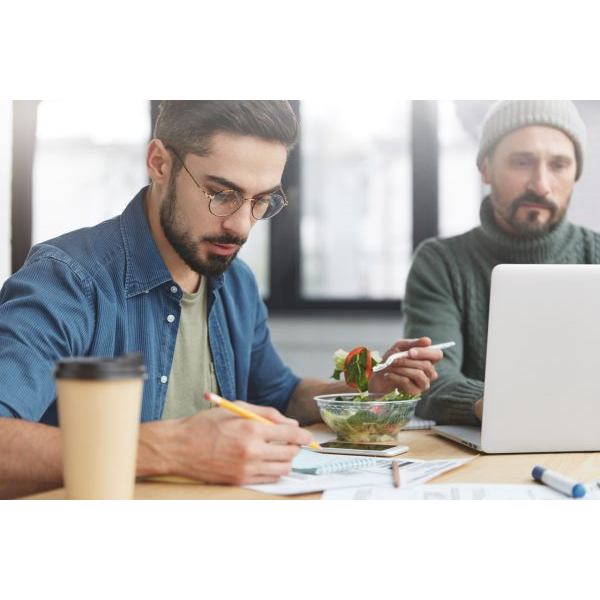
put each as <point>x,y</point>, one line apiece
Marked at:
<point>161,279</point>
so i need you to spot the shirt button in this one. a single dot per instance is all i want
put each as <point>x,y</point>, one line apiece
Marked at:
<point>174,289</point>
<point>164,379</point>
<point>170,318</point>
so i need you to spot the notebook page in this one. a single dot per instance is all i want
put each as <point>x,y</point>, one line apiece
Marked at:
<point>320,464</point>
<point>418,423</point>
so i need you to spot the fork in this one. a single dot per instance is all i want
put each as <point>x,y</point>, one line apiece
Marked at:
<point>404,354</point>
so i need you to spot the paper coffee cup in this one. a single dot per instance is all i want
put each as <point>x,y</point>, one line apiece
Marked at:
<point>99,407</point>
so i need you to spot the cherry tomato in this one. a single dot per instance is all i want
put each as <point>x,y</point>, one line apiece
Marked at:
<point>368,366</point>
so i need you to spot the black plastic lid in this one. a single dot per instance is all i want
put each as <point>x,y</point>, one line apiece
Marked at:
<point>94,367</point>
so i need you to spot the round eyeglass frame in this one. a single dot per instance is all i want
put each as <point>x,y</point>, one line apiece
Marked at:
<point>238,195</point>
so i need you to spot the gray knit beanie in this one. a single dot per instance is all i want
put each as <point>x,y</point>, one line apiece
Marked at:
<point>508,115</point>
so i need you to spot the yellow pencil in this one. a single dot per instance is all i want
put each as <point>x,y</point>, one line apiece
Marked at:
<point>238,410</point>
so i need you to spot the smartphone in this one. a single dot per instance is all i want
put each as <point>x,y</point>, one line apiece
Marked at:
<point>361,449</point>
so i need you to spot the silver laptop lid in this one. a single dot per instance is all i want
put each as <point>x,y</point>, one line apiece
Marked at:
<point>542,380</point>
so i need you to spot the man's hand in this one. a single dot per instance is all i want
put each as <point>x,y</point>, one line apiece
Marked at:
<point>478,408</point>
<point>217,446</point>
<point>412,374</point>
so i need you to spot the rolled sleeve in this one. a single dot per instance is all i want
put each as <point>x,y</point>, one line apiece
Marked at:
<point>7,411</point>
<point>45,314</point>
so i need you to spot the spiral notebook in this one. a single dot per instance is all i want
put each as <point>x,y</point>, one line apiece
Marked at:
<point>418,423</point>
<point>313,463</point>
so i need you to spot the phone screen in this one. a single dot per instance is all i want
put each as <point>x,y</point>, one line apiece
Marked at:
<point>350,445</point>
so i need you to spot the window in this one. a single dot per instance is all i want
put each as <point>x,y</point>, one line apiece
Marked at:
<point>356,208</point>
<point>5,184</point>
<point>255,252</point>
<point>460,189</point>
<point>584,205</point>
<point>362,184</point>
<point>362,187</point>
<point>89,162</point>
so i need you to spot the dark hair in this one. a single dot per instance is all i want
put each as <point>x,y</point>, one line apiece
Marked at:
<point>189,125</point>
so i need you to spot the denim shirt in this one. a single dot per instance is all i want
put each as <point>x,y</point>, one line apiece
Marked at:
<point>106,291</point>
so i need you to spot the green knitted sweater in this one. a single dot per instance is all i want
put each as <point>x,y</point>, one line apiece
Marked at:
<point>448,294</point>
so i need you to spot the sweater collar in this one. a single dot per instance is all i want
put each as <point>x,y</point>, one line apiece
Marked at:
<point>543,249</point>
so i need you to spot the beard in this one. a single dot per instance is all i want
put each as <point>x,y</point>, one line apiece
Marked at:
<point>186,247</point>
<point>531,226</point>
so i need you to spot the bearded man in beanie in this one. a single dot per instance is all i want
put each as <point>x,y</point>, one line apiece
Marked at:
<point>530,153</point>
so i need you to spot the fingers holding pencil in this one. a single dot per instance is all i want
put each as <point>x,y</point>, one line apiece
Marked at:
<point>262,414</point>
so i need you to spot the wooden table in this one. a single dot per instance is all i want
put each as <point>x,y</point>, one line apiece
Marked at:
<point>499,468</point>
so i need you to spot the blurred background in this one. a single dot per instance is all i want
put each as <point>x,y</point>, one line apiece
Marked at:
<point>367,183</point>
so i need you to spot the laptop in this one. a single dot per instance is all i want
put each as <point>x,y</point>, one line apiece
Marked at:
<point>542,374</point>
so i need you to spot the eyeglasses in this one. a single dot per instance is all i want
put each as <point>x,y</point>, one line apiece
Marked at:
<point>227,202</point>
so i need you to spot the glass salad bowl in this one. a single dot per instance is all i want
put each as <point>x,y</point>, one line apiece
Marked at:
<point>367,421</point>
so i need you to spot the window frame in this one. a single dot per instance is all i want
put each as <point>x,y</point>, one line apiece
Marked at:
<point>23,151</point>
<point>285,249</point>
<point>284,244</point>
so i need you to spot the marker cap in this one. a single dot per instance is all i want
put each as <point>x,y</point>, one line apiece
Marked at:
<point>537,473</point>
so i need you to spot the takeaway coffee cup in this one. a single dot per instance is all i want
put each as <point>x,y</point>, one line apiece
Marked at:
<point>99,406</point>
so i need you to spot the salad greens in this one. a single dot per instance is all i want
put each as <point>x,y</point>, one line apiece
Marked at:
<point>362,418</point>
<point>379,423</point>
<point>357,366</point>
<point>391,397</point>
<point>380,418</point>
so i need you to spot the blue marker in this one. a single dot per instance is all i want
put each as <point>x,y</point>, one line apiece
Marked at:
<point>558,482</point>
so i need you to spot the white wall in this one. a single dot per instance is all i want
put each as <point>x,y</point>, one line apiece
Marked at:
<point>5,186</point>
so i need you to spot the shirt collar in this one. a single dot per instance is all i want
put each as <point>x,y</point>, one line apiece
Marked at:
<point>145,267</point>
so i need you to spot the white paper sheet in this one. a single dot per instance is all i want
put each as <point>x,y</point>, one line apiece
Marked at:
<point>413,472</point>
<point>456,491</point>
<point>302,483</point>
<point>422,471</point>
<point>308,461</point>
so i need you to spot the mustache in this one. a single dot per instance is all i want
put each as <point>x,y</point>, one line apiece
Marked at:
<point>533,198</point>
<point>225,239</point>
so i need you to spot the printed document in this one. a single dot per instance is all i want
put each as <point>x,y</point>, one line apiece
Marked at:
<point>456,491</point>
<point>412,472</point>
